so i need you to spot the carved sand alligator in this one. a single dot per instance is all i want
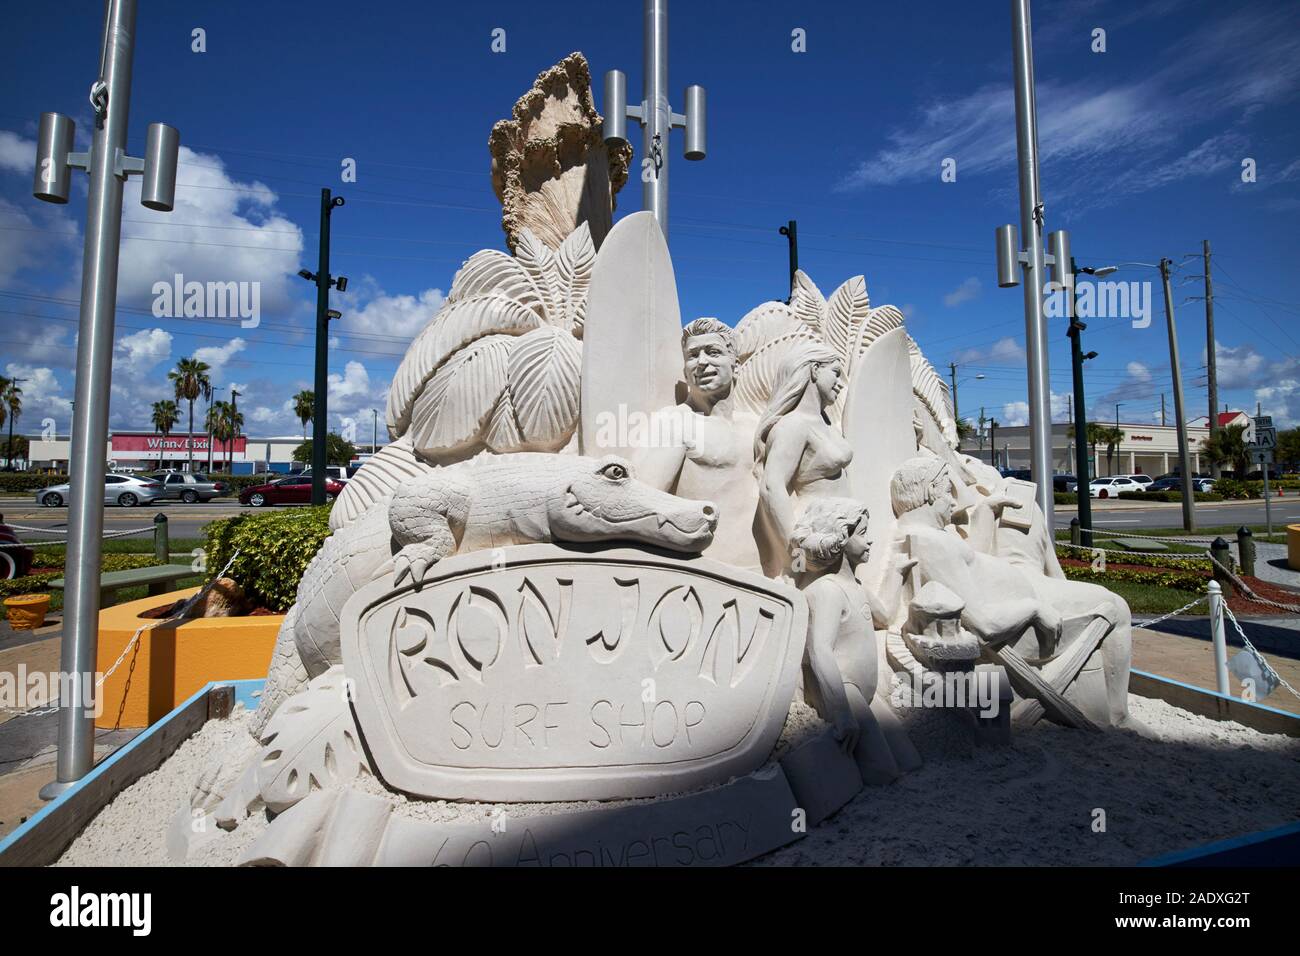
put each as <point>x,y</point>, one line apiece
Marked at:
<point>488,502</point>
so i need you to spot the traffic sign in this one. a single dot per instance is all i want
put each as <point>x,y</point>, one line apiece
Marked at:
<point>1265,433</point>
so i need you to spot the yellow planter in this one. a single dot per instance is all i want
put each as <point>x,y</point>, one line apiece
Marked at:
<point>26,612</point>
<point>172,661</point>
<point>1293,547</point>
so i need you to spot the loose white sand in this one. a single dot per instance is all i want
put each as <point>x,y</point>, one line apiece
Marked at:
<point>1032,803</point>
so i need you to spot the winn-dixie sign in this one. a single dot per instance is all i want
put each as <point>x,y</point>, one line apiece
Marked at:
<point>148,444</point>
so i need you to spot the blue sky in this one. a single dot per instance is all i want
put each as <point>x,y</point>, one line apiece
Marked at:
<point>1142,158</point>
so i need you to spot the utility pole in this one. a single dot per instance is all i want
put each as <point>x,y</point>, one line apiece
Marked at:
<point>1184,454</point>
<point>324,281</point>
<point>1032,259</point>
<point>791,232</point>
<point>1211,356</point>
<point>109,166</point>
<point>993,442</point>
<point>1163,423</point>
<point>374,432</point>
<point>952,374</point>
<point>655,114</point>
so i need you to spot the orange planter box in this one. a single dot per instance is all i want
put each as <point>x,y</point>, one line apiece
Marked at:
<point>171,662</point>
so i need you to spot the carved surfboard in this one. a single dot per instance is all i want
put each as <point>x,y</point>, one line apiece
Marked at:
<point>631,343</point>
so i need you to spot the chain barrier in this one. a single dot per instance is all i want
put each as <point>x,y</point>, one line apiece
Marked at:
<point>108,535</point>
<point>178,615</point>
<point>1246,589</point>
<point>1164,617</point>
<point>1130,554</point>
<point>1259,658</point>
<point>1148,537</point>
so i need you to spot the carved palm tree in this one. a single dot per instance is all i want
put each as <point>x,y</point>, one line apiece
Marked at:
<point>191,381</point>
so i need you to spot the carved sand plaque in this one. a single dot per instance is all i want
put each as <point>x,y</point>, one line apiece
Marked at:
<point>540,672</point>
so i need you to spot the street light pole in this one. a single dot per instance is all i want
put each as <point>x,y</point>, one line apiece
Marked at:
<point>1032,259</point>
<point>791,232</point>
<point>1080,416</point>
<point>109,166</point>
<point>1180,420</point>
<point>655,114</point>
<point>324,281</point>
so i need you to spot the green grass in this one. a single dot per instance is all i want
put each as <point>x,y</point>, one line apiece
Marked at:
<point>1147,599</point>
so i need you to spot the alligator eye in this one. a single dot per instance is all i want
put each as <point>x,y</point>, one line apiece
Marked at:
<point>614,472</point>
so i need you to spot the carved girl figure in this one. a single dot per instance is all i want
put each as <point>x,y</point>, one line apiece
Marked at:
<point>840,675</point>
<point>800,454</point>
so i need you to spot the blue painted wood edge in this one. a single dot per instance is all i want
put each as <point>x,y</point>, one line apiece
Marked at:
<point>1214,693</point>
<point>1278,847</point>
<point>244,694</point>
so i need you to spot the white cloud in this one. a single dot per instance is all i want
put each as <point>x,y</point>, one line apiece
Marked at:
<point>1238,366</point>
<point>218,355</point>
<point>1005,351</point>
<point>221,230</point>
<point>17,155</point>
<point>1015,413</point>
<point>1138,372</point>
<point>43,397</point>
<point>399,316</point>
<point>969,289</point>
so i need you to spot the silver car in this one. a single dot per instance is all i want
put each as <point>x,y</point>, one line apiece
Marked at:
<point>125,490</point>
<point>189,487</point>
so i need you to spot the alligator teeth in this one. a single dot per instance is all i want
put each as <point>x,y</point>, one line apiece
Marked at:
<point>571,501</point>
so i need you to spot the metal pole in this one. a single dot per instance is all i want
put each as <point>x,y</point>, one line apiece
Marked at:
<point>319,459</point>
<point>1220,640</point>
<point>791,232</point>
<point>658,120</point>
<point>1031,231</point>
<point>1268,506</point>
<point>1180,420</point>
<point>374,431</point>
<point>161,540</point>
<point>1211,357</point>
<point>1084,507</point>
<point>90,411</point>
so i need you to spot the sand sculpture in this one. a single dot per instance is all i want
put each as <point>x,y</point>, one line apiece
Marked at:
<point>606,550</point>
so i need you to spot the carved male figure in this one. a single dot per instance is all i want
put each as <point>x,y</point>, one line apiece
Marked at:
<point>702,446</point>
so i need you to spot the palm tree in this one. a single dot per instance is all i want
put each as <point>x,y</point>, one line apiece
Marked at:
<point>11,405</point>
<point>234,421</point>
<point>1107,435</point>
<point>304,406</point>
<point>190,378</point>
<point>1228,445</point>
<point>965,430</point>
<point>165,416</point>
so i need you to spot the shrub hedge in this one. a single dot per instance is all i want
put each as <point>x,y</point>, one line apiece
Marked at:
<point>274,548</point>
<point>17,482</point>
<point>1185,580</point>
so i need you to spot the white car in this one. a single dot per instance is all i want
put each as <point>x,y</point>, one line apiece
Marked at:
<point>1111,487</point>
<point>1144,481</point>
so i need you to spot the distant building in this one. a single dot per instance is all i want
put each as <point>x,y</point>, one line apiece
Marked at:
<point>149,451</point>
<point>1145,450</point>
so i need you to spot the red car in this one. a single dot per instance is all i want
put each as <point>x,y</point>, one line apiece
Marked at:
<point>290,490</point>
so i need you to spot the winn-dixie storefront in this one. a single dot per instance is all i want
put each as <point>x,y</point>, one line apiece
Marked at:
<point>148,450</point>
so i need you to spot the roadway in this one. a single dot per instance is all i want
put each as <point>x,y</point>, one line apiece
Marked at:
<point>188,521</point>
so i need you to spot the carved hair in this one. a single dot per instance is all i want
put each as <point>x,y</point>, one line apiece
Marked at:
<point>793,378</point>
<point>824,528</point>
<point>711,326</point>
<point>914,482</point>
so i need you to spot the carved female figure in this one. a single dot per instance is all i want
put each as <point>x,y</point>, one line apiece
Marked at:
<point>799,452</point>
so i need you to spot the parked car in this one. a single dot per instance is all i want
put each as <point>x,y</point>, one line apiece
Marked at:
<point>290,490</point>
<point>15,559</point>
<point>1166,484</point>
<point>1112,486</point>
<point>337,472</point>
<point>125,490</point>
<point>1146,481</point>
<point>1066,483</point>
<point>189,487</point>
